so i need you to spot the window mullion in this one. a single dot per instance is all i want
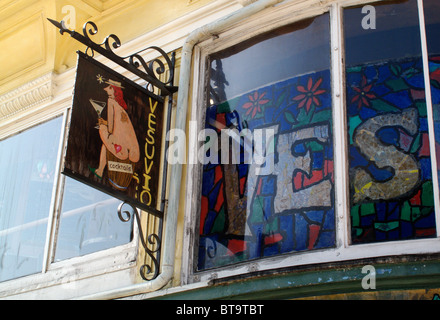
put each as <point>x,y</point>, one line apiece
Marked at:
<point>50,233</point>
<point>429,112</point>
<point>339,127</point>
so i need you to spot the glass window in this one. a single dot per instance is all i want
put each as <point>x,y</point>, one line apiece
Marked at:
<point>27,171</point>
<point>89,222</point>
<point>250,209</point>
<point>269,58</point>
<point>432,25</point>
<point>391,189</point>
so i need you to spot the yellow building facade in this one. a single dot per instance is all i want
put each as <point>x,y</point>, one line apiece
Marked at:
<point>340,198</point>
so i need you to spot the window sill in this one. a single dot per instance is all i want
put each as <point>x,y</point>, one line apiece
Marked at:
<point>324,256</point>
<point>100,271</point>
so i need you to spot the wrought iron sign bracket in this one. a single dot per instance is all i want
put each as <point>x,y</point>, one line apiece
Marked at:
<point>149,72</point>
<point>148,271</point>
<point>132,63</point>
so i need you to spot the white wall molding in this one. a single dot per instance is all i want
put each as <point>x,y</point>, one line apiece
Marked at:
<point>33,93</point>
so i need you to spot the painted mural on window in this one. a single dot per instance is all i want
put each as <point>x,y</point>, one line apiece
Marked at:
<point>391,187</point>
<point>246,216</point>
<point>390,164</point>
<point>282,200</point>
<point>434,68</point>
<point>432,21</point>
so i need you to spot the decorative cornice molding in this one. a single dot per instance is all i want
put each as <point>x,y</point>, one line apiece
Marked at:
<point>33,93</point>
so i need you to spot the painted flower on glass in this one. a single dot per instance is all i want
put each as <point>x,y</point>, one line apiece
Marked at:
<point>309,96</point>
<point>363,94</point>
<point>254,105</point>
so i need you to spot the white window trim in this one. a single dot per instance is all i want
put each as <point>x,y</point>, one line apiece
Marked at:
<point>270,19</point>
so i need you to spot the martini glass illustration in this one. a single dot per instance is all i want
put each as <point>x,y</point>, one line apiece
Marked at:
<point>98,106</point>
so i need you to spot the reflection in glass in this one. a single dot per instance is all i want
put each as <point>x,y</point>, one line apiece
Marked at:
<point>396,34</point>
<point>278,55</point>
<point>89,222</point>
<point>280,82</point>
<point>27,170</point>
<point>389,158</point>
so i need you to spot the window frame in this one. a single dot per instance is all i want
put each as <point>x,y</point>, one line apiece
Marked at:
<point>267,20</point>
<point>115,264</point>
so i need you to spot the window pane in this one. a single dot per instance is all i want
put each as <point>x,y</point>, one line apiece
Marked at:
<point>269,58</point>
<point>278,82</point>
<point>89,222</point>
<point>432,22</point>
<point>390,166</point>
<point>27,170</point>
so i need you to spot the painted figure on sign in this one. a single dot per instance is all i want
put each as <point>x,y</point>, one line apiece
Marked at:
<point>120,148</point>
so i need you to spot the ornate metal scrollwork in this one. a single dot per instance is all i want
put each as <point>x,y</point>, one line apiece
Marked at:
<point>147,271</point>
<point>137,61</point>
<point>132,62</point>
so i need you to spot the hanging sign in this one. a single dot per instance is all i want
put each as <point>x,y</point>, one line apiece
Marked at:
<point>115,135</point>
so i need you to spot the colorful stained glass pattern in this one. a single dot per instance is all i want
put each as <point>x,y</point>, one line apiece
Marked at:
<point>434,69</point>
<point>432,20</point>
<point>246,216</point>
<point>390,165</point>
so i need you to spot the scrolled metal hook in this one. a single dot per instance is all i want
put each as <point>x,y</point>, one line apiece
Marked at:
<point>152,239</point>
<point>127,214</point>
<point>136,60</point>
<point>146,270</point>
<point>92,53</point>
<point>90,31</point>
<point>115,44</point>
